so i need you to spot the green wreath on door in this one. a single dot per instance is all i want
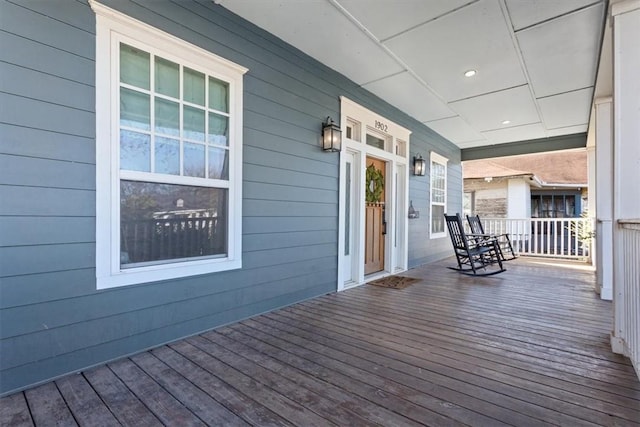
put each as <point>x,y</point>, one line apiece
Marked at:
<point>375,184</point>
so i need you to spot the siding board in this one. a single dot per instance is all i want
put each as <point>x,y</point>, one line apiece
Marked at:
<point>284,176</point>
<point>45,87</point>
<point>17,260</point>
<point>30,231</point>
<point>46,30</point>
<point>24,141</point>
<point>41,201</point>
<point>34,172</point>
<point>46,116</point>
<point>46,59</point>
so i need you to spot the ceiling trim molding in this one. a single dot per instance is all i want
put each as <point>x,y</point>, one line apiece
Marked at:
<point>624,7</point>
<point>563,142</point>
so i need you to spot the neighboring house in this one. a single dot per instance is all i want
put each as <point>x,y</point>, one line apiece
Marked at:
<point>544,185</point>
<point>163,175</point>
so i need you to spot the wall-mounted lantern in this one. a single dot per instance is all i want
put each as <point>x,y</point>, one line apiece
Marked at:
<point>331,136</point>
<point>419,165</point>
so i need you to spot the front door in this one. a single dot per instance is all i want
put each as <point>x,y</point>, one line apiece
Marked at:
<point>375,221</point>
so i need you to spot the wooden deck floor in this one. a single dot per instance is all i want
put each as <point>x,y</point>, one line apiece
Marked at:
<point>528,347</point>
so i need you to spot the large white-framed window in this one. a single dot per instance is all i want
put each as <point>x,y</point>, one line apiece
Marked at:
<point>438,195</point>
<point>168,155</point>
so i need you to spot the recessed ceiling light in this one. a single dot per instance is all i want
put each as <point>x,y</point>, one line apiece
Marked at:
<point>470,73</point>
<point>506,122</point>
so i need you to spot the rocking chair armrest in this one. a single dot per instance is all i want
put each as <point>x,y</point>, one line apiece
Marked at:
<point>482,239</point>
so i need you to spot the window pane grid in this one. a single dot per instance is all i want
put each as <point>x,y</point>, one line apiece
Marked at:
<point>199,142</point>
<point>438,196</point>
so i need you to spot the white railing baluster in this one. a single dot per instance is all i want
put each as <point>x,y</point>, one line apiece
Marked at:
<point>627,309</point>
<point>550,237</point>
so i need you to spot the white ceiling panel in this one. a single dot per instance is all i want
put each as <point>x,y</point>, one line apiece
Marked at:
<point>518,133</point>
<point>487,112</point>
<point>559,54</point>
<point>526,13</point>
<point>567,109</point>
<point>413,54</point>
<point>474,37</point>
<point>567,130</point>
<point>303,24</point>
<point>408,94</point>
<point>455,129</point>
<point>388,18</point>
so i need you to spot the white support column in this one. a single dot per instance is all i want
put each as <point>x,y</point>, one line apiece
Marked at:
<point>626,160</point>
<point>592,194</point>
<point>604,197</point>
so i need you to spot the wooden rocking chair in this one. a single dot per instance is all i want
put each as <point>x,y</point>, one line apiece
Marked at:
<point>504,241</point>
<point>474,252</point>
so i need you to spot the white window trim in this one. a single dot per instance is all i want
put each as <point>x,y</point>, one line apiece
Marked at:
<point>435,157</point>
<point>112,26</point>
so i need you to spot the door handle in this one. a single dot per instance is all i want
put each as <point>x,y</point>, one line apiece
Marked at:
<point>384,220</point>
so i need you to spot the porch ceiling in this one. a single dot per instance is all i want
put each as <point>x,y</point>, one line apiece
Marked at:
<point>536,61</point>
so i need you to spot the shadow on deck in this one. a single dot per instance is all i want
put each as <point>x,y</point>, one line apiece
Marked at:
<point>526,347</point>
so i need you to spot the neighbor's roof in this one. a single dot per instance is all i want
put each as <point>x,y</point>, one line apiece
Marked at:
<point>558,167</point>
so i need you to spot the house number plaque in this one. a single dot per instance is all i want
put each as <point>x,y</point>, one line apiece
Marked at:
<point>381,126</point>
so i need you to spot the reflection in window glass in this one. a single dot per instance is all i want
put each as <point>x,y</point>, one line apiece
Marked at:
<point>134,66</point>
<point>438,175</point>
<point>218,163</point>
<point>135,151</point>
<point>193,123</point>
<point>218,95</point>
<point>374,141</point>
<point>167,156</point>
<point>134,109</point>
<point>167,117</point>
<point>193,86</point>
<point>171,222</point>
<point>218,129</point>
<point>169,131</point>
<point>167,77</point>
<point>194,162</point>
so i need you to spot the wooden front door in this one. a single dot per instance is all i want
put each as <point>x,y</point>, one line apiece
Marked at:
<point>375,223</point>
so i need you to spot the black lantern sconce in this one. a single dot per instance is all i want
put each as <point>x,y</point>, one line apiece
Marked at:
<point>331,136</point>
<point>419,165</point>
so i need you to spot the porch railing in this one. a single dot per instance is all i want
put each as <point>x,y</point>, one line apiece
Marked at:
<point>550,237</point>
<point>628,297</point>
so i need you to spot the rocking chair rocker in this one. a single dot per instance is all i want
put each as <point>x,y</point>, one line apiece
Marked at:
<point>474,252</point>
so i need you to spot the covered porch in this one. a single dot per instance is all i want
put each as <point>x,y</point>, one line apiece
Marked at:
<point>527,347</point>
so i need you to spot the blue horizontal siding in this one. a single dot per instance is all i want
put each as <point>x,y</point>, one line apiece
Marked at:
<point>53,319</point>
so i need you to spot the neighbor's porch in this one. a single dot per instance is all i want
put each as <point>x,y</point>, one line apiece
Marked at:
<point>526,347</point>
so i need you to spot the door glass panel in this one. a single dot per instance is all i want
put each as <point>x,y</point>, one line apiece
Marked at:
<point>347,214</point>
